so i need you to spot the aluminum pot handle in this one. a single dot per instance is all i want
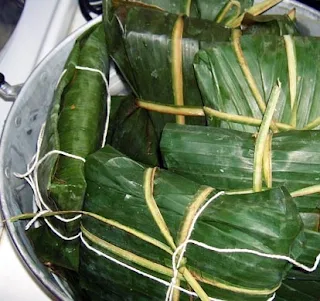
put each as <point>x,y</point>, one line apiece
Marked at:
<point>8,92</point>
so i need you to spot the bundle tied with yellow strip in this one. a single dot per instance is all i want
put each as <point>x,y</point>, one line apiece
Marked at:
<point>154,49</point>
<point>225,158</point>
<point>236,79</point>
<point>155,211</point>
<point>241,161</point>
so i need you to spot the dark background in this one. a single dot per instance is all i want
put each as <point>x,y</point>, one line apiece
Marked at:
<point>314,3</point>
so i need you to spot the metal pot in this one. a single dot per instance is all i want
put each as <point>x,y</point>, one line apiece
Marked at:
<point>18,142</point>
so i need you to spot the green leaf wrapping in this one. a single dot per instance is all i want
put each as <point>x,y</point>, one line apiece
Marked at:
<point>147,44</point>
<point>132,132</point>
<point>203,9</point>
<point>142,45</point>
<point>224,158</point>
<point>276,25</point>
<point>300,285</point>
<point>267,221</point>
<point>225,87</point>
<point>75,124</point>
<point>81,122</point>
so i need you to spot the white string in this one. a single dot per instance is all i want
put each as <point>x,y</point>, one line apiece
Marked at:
<point>166,283</point>
<point>33,220</point>
<point>60,78</point>
<point>55,231</point>
<point>36,183</point>
<point>33,170</point>
<point>266,255</point>
<point>35,162</point>
<point>105,133</point>
<point>175,266</point>
<point>88,246</point>
<point>31,184</point>
<point>35,157</point>
<point>181,247</point>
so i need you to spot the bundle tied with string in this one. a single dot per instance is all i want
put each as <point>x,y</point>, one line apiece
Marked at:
<point>154,47</point>
<point>76,126</point>
<point>242,162</point>
<point>180,238</point>
<point>154,51</point>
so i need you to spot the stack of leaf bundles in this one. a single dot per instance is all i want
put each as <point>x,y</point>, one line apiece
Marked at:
<point>226,158</point>
<point>154,50</point>
<point>139,215</point>
<point>145,214</point>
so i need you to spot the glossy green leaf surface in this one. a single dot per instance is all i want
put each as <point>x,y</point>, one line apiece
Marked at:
<point>81,121</point>
<point>75,124</point>
<point>202,9</point>
<point>225,87</point>
<point>116,190</point>
<point>132,132</point>
<point>141,44</point>
<point>224,158</point>
<point>277,25</point>
<point>300,285</point>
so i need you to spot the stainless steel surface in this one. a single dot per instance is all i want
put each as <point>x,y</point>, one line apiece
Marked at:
<point>10,12</point>
<point>8,92</point>
<point>22,127</point>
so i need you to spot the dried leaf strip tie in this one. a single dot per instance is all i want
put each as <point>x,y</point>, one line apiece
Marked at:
<point>202,111</point>
<point>177,77</point>
<point>195,210</point>
<point>261,143</point>
<point>292,73</point>
<point>248,75</point>
<point>228,7</point>
<point>255,10</point>
<point>186,230</point>
<point>178,252</point>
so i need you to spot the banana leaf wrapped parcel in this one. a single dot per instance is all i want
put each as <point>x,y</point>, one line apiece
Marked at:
<point>151,198</point>
<point>145,214</point>
<point>236,78</point>
<point>154,50</point>
<point>75,125</point>
<point>225,157</point>
<point>225,12</point>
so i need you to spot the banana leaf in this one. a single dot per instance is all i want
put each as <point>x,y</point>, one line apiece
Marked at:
<point>132,132</point>
<point>144,214</point>
<point>225,158</point>
<point>242,90</point>
<point>300,285</point>
<point>154,51</point>
<point>81,121</point>
<point>214,10</point>
<point>277,25</point>
<point>75,124</point>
